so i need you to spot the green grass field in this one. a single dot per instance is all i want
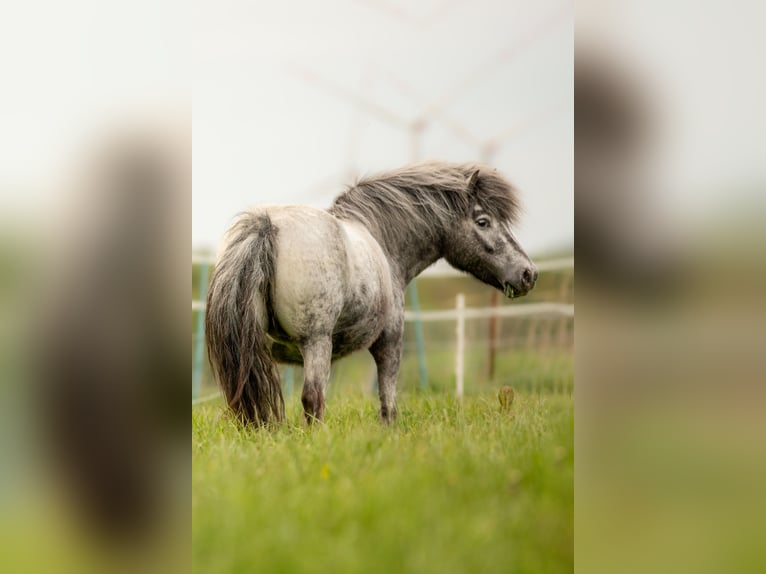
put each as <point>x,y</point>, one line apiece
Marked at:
<point>451,487</point>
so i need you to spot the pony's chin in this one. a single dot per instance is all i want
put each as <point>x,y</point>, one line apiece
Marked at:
<point>513,292</point>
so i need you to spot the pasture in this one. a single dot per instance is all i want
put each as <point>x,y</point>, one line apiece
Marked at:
<point>453,486</point>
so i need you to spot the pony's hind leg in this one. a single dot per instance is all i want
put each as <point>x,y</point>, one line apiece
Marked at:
<point>387,352</point>
<point>317,355</point>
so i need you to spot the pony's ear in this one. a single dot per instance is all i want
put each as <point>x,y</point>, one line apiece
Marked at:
<point>473,181</point>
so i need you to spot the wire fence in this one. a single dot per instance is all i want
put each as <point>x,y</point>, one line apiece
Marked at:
<point>462,348</point>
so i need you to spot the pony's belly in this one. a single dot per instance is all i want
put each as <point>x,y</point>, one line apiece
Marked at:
<point>346,339</point>
<point>345,342</point>
<point>361,320</point>
<point>286,353</point>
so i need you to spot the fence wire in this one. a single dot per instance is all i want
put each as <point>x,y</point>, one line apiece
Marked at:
<point>529,345</point>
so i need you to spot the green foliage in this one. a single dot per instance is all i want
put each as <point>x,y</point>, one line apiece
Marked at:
<point>453,486</point>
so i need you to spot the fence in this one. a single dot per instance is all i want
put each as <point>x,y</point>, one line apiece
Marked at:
<point>533,312</point>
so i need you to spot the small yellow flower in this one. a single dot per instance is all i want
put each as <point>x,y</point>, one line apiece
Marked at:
<point>324,474</point>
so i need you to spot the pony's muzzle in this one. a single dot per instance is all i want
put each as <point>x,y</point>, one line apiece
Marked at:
<point>522,284</point>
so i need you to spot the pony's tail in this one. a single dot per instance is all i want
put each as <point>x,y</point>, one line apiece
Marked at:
<point>235,322</point>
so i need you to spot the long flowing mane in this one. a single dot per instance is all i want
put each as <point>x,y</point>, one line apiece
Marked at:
<point>428,195</point>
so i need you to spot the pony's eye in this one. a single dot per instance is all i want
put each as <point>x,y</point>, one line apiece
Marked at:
<point>483,222</point>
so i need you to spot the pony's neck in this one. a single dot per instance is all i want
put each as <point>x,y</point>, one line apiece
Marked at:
<point>412,260</point>
<point>412,235</point>
<point>410,252</point>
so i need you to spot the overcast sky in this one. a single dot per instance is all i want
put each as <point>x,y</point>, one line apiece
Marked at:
<point>293,98</point>
<point>290,99</point>
<point>277,91</point>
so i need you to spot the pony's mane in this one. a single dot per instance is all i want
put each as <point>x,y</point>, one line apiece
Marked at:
<point>429,195</point>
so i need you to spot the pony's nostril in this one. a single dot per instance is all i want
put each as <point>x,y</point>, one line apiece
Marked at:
<point>526,277</point>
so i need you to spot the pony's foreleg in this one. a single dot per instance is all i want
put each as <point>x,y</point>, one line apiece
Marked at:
<point>387,352</point>
<point>317,355</point>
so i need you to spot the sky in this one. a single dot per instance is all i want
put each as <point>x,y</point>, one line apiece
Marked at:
<point>290,101</point>
<point>293,100</point>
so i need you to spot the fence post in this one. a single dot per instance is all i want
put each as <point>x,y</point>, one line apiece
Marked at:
<point>419,334</point>
<point>494,332</point>
<point>199,333</point>
<point>289,380</point>
<point>460,350</point>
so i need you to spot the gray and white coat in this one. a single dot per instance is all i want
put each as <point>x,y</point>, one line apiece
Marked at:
<point>302,285</point>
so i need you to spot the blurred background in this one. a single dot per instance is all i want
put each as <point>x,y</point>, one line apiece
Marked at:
<point>292,101</point>
<point>669,190</point>
<point>95,185</point>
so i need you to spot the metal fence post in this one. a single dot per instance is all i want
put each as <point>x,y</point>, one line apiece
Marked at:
<point>289,380</point>
<point>419,342</point>
<point>199,333</point>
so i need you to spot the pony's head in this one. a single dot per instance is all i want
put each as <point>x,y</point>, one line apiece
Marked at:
<point>481,241</point>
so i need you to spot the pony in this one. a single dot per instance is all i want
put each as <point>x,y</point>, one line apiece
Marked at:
<point>300,285</point>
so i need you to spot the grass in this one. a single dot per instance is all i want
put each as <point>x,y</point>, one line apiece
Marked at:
<point>452,487</point>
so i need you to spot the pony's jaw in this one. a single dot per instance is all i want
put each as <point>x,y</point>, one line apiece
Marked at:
<point>513,292</point>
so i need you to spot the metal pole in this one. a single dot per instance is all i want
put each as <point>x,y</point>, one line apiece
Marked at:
<point>289,376</point>
<point>199,333</point>
<point>419,339</point>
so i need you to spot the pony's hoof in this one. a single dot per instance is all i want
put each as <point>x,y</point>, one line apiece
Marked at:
<point>387,416</point>
<point>312,420</point>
